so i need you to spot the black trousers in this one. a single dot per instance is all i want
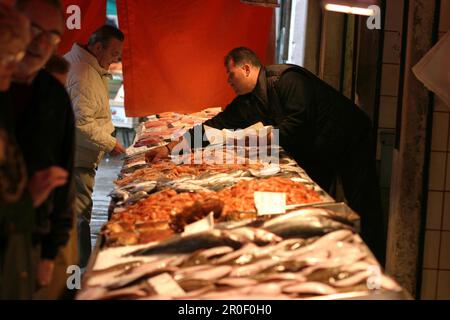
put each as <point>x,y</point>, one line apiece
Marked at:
<point>357,170</point>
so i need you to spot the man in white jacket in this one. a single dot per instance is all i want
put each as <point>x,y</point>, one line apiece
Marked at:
<point>87,85</point>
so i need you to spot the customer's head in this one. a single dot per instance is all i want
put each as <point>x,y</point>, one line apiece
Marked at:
<point>47,27</point>
<point>58,67</point>
<point>106,45</point>
<point>243,68</point>
<point>14,38</point>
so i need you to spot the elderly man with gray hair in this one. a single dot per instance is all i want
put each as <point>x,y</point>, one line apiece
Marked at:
<point>88,89</point>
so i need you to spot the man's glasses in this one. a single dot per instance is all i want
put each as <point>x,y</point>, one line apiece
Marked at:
<point>9,58</point>
<point>51,37</point>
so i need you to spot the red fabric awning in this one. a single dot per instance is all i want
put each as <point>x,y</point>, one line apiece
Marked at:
<point>93,16</point>
<point>174,50</point>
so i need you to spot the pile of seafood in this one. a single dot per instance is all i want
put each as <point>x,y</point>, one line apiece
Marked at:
<point>188,229</point>
<point>169,209</point>
<point>170,125</point>
<point>301,255</point>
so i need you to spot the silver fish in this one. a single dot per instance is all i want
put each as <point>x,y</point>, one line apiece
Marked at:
<point>389,284</point>
<point>282,276</point>
<point>352,280</point>
<point>134,292</point>
<point>119,195</point>
<point>254,268</point>
<point>258,236</point>
<point>237,282</point>
<point>135,197</point>
<point>304,227</point>
<point>314,288</point>
<point>236,254</point>
<point>214,252</point>
<point>139,272</point>
<point>335,262</point>
<point>213,273</point>
<point>190,243</point>
<point>99,280</point>
<point>92,293</point>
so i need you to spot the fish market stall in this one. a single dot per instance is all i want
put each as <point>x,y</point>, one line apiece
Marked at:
<point>219,229</point>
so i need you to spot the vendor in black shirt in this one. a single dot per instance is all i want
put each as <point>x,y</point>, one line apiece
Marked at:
<point>326,133</point>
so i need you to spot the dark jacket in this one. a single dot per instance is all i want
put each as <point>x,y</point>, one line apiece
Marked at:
<point>316,123</point>
<point>46,134</point>
<point>326,133</point>
<point>16,207</point>
<point>17,215</point>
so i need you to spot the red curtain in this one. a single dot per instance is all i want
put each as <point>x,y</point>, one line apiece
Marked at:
<point>93,16</point>
<point>174,50</point>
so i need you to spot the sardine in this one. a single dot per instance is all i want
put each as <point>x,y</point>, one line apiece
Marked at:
<point>135,197</point>
<point>119,195</point>
<point>185,272</point>
<point>193,284</point>
<point>101,279</point>
<point>147,269</point>
<point>92,293</point>
<point>352,280</point>
<point>389,284</point>
<point>191,243</point>
<point>134,292</point>
<point>214,252</point>
<point>211,274</point>
<point>304,227</point>
<point>254,268</point>
<point>282,276</point>
<point>258,236</point>
<point>236,254</point>
<point>307,288</point>
<point>237,282</point>
<point>335,262</point>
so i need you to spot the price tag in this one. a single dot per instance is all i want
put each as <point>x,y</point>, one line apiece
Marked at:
<point>205,224</point>
<point>270,202</point>
<point>165,285</point>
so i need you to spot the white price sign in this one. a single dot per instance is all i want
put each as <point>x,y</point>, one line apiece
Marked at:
<point>270,202</point>
<point>165,285</point>
<point>205,224</point>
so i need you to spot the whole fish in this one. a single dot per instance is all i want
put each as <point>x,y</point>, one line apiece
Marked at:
<point>256,235</point>
<point>211,274</point>
<point>352,280</point>
<point>237,282</point>
<point>254,268</point>
<point>119,195</point>
<point>304,227</point>
<point>310,288</point>
<point>214,252</point>
<point>246,249</point>
<point>134,292</point>
<point>191,243</point>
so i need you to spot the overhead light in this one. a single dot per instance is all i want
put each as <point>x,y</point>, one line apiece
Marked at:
<point>357,7</point>
<point>349,10</point>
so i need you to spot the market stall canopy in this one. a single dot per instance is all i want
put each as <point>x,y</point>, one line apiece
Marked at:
<point>83,18</point>
<point>174,50</point>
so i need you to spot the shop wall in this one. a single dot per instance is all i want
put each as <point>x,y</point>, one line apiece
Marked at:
<point>436,264</point>
<point>390,80</point>
<point>389,97</point>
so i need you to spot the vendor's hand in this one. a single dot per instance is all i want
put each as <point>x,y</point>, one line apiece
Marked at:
<point>43,182</point>
<point>118,149</point>
<point>45,272</point>
<point>157,154</point>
